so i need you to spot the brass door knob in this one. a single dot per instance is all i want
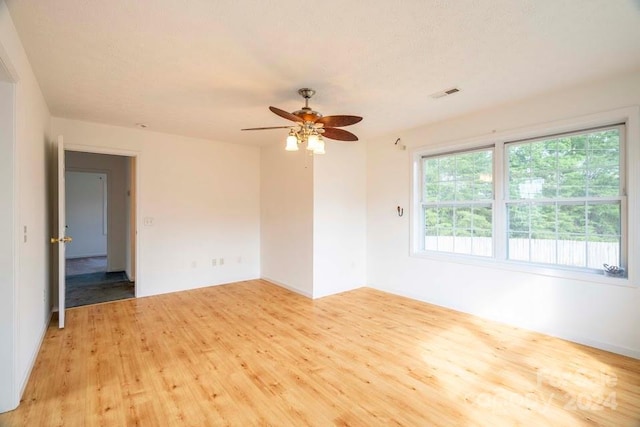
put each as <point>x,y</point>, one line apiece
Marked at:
<point>61,240</point>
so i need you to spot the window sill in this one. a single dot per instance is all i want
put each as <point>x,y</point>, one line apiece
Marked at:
<point>537,269</point>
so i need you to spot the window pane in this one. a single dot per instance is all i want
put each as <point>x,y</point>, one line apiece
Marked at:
<point>463,217</point>
<point>572,183</point>
<point>549,183</point>
<point>543,248</point>
<point>430,192</point>
<point>430,166</point>
<point>572,250</point>
<point>431,221</point>
<point>603,234</point>
<point>483,165</point>
<point>603,220</point>
<point>459,177</point>
<point>518,245</point>
<point>462,242</point>
<point>446,168</point>
<point>519,157</point>
<point>465,167</point>
<point>603,252</point>
<point>447,191</point>
<point>543,220</point>
<point>482,244</point>
<point>483,190</point>
<point>482,218</point>
<point>463,230</point>
<point>586,165</point>
<point>578,234</point>
<point>464,190</point>
<point>445,219</point>
<point>572,219</point>
<point>519,218</point>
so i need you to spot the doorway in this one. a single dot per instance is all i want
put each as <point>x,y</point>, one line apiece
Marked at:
<point>100,217</point>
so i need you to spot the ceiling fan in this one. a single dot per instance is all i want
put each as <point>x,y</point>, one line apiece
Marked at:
<point>311,127</point>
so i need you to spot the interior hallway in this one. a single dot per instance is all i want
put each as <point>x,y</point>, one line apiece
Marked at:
<point>88,282</point>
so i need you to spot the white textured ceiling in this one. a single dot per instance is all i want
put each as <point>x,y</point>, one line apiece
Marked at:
<point>207,68</point>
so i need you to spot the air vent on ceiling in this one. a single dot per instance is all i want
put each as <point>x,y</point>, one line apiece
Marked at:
<point>445,92</point>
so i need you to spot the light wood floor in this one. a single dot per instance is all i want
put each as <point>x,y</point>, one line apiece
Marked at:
<point>251,353</point>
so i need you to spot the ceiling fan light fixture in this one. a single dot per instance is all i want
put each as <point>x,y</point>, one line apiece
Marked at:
<point>313,142</point>
<point>292,142</point>
<point>319,147</point>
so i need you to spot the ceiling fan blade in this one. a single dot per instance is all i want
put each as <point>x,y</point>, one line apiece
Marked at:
<point>268,127</point>
<point>339,121</point>
<point>285,114</point>
<point>339,134</point>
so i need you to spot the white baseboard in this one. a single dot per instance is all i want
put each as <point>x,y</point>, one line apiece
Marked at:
<point>34,356</point>
<point>289,288</point>
<point>596,344</point>
<point>335,292</point>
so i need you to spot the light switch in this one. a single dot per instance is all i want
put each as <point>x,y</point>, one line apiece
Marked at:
<point>148,221</point>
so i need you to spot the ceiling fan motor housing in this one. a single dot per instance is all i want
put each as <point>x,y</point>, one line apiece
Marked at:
<point>306,113</point>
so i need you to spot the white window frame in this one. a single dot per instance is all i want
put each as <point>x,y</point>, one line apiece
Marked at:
<point>630,153</point>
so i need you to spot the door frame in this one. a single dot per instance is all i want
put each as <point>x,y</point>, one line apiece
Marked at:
<point>135,171</point>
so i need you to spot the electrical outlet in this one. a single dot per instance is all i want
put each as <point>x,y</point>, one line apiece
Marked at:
<point>221,261</point>
<point>214,262</point>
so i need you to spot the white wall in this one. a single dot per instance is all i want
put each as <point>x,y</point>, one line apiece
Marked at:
<point>202,197</point>
<point>118,214</point>
<point>339,219</point>
<point>286,233</point>
<point>600,315</point>
<point>30,306</point>
<point>86,214</point>
<point>7,253</point>
<point>313,211</point>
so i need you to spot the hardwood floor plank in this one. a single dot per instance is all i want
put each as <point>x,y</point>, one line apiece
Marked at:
<point>252,353</point>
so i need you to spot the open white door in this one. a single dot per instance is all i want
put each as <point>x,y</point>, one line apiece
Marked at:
<point>59,238</point>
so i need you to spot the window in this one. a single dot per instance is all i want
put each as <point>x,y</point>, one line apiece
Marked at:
<point>563,199</point>
<point>457,202</point>
<point>554,201</point>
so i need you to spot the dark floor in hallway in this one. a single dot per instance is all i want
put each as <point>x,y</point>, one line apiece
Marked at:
<point>88,282</point>
<point>93,264</point>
